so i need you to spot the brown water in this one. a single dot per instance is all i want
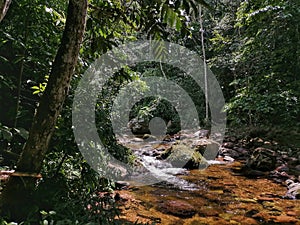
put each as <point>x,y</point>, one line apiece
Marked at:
<point>216,195</point>
<point>224,197</point>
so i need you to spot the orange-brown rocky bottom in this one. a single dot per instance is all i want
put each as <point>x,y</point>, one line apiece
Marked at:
<point>224,197</point>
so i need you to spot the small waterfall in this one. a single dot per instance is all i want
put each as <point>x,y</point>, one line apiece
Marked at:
<point>165,172</point>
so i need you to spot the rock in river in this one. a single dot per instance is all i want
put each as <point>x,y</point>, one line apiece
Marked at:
<point>293,189</point>
<point>183,156</point>
<point>178,208</point>
<point>262,159</point>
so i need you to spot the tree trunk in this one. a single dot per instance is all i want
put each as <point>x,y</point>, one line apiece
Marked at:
<point>16,195</point>
<point>4,5</point>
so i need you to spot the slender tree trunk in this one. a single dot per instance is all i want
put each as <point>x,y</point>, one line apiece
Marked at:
<point>4,5</point>
<point>204,64</point>
<point>21,71</point>
<point>15,197</point>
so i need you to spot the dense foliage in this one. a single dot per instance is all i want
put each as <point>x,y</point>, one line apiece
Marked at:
<point>257,51</point>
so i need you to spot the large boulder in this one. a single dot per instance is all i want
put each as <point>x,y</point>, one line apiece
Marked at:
<point>182,156</point>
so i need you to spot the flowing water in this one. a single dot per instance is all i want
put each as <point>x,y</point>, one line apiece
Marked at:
<point>163,172</point>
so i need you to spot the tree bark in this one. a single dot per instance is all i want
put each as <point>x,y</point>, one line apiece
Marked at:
<point>4,5</point>
<point>16,195</point>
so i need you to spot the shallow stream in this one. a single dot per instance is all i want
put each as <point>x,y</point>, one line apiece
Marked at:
<point>215,195</point>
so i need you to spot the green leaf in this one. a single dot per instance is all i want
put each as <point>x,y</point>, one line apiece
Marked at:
<point>3,42</point>
<point>36,92</point>
<point>19,59</point>
<point>6,134</point>
<point>22,132</point>
<point>178,24</point>
<point>4,59</point>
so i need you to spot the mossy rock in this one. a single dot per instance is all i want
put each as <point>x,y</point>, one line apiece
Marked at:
<point>185,157</point>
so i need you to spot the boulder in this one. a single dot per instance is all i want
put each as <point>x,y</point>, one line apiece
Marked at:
<point>228,145</point>
<point>183,156</point>
<point>202,133</point>
<point>262,159</point>
<point>139,126</point>
<point>229,152</point>
<point>293,189</point>
<point>200,145</point>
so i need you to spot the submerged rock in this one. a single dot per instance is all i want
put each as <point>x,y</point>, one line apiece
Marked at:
<point>178,208</point>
